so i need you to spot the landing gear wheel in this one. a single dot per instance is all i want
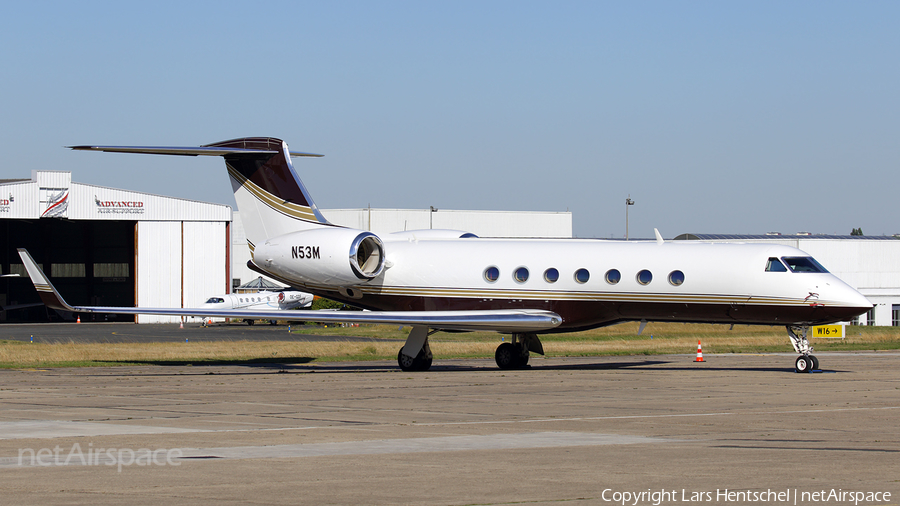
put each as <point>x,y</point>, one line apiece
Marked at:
<point>407,363</point>
<point>815,362</point>
<point>507,356</point>
<point>523,357</point>
<point>803,364</point>
<point>249,322</point>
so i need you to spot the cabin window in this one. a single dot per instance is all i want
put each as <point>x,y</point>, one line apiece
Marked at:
<point>582,276</point>
<point>803,264</point>
<point>491,274</point>
<point>521,274</point>
<point>644,277</point>
<point>775,265</point>
<point>676,278</point>
<point>613,276</point>
<point>551,275</point>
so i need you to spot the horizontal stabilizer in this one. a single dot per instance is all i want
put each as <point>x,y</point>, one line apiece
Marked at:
<point>501,320</point>
<point>245,146</point>
<point>183,151</point>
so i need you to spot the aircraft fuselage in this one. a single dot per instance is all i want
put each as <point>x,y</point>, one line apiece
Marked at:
<point>589,283</point>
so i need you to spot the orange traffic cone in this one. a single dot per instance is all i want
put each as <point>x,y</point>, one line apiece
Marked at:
<point>78,320</point>
<point>181,324</point>
<point>699,353</point>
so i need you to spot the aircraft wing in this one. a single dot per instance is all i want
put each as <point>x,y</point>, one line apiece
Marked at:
<point>501,320</point>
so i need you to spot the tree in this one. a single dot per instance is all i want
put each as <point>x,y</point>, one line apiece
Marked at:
<point>323,303</point>
<point>856,231</point>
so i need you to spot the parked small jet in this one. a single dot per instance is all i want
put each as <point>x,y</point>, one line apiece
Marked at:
<point>435,280</point>
<point>260,301</point>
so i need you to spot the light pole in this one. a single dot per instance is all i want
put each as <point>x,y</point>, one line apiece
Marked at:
<point>628,202</point>
<point>431,217</point>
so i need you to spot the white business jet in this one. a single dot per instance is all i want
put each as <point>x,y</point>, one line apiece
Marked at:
<point>434,280</point>
<point>261,301</point>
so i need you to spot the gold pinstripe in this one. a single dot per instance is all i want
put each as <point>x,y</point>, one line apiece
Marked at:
<point>571,295</point>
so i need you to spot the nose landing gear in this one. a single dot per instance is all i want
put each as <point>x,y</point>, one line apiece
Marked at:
<point>805,362</point>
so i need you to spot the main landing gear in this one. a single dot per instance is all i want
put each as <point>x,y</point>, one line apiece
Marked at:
<point>515,354</point>
<point>805,362</point>
<point>416,354</point>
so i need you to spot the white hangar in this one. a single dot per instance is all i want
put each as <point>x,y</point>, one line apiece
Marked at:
<point>109,247</point>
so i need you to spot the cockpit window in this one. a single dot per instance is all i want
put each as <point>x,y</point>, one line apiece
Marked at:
<point>775,265</point>
<point>215,300</point>
<point>803,264</point>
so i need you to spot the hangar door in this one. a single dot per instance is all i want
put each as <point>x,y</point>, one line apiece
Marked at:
<point>89,262</point>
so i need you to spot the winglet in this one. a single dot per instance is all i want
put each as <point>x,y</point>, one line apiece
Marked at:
<point>49,296</point>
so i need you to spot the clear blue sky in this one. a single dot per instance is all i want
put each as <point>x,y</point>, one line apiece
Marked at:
<point>716,117</point>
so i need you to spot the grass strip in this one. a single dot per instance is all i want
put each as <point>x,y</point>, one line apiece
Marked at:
<point>658,338</point>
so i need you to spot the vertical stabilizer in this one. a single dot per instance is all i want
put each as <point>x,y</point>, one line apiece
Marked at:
<point>269,194</point>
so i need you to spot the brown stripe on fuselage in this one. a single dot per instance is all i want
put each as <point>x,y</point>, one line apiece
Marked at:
<point>580,315</point>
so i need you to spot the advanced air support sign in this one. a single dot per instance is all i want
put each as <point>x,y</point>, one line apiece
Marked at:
<point>119,207</point>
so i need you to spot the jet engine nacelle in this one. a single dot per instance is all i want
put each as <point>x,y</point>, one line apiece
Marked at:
<point>324,256</point>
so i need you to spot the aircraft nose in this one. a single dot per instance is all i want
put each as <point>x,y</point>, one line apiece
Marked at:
<point>850,297</point>
<point>847,303</point>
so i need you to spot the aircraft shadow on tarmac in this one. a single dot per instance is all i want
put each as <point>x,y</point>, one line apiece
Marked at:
<point>309,364</point>
<point>306,364</point>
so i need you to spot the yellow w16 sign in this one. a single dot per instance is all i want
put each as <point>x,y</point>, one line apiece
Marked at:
<point>833,331</point>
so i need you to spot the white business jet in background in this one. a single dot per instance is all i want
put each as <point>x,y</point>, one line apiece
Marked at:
<point>434,280</point>
<point>281,300</point>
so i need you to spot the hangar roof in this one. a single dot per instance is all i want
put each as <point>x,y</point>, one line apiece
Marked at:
<point>53,194</point>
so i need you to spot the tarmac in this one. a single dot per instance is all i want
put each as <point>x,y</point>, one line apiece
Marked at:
<point>735,429</point>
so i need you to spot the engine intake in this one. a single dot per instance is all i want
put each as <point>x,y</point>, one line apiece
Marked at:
<point>367,255</point>
<point>323,256</point>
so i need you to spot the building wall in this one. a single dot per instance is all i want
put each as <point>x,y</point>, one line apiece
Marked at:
<point>204,262</point>
<point>179,264</point>
<point>158,268</point>
<point>480,223</point>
